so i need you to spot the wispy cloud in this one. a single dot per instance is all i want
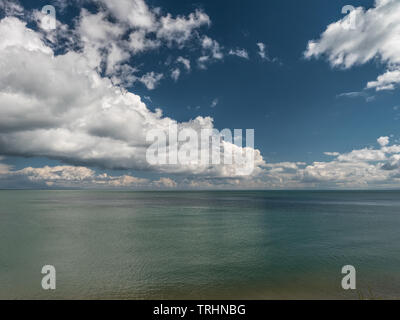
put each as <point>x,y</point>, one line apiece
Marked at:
<point>151,79</point>
<point>241,53</point>
<point>357,94</point>
<point>175,74</point>
<point>262,52</point>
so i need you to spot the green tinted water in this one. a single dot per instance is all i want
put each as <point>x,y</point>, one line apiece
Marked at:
<point>191,245</point>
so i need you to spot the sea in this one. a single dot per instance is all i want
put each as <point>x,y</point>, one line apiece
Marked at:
<point>199,245</point>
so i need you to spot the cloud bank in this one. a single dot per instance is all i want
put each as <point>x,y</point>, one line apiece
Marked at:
<point>61,107</point>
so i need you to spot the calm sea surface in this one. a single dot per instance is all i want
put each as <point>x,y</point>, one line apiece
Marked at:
<point>193,245</point>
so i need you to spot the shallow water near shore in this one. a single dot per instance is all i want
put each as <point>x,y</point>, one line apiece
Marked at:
<point>199,245</point>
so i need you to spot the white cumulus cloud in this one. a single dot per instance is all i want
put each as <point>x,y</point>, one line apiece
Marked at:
<point>60,107</point>
<point>375,35</point>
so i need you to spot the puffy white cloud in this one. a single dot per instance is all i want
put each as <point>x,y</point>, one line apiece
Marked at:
<point>359,168</point>
<point>180,29</point>
<point>96,29</point>
<point>344,174</point>
<point>165,183</point>
<point>115,57</point>
<point>375,35</point>
<point>119,30</point>
<point>386,81</point>
<point>363,168</point>
<point>59,106</point>
<point>139,42</point>
<point>72,176</point>
<point>363,155</point>
<point>124,75</point>
<point>98,35</point>
<point>14,33</point>
<point>241,53</point>
<point>383,141</point>
<point>212,51</point>
<point>51,174</point>
<point>213,47</point>
<point>136,13</point>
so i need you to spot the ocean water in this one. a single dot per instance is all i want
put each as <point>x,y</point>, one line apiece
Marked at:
<point>199,245</point>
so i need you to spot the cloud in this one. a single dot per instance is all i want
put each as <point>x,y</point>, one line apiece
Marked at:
<point>214,103</point>
<point>69,103</point>
<point>60,106</point>
<point>383,141</point>
<point>352,94</point>
<point>332,154</point>
<point>343,174</point>
<point>4,168</point>
<point>241,53</point>
<point>185,62</point>
<point>360,168</point>
<point>386,81</point>
<point>375,36</point>
<point>135,13</point>
<point>212,51</point>
<point>165,183</point>
<point>118,30</point>
<point>213,46</point>
<point>72,177</point>
<point>99,37</point>
<point>370,99</point>
<point>11,8</point>
<point>366,154</point>
<point>180,29</point>
<point>202,62</point>
<point>151,79</point>
<point>261,50</point>
<point>124,75</point>
<point>139,42</point>
<point>175,74</point>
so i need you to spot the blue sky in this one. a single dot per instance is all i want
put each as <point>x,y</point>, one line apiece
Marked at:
<point>299,107</point>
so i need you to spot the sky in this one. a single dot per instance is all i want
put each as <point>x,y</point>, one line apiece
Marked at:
<point>318,84</point>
